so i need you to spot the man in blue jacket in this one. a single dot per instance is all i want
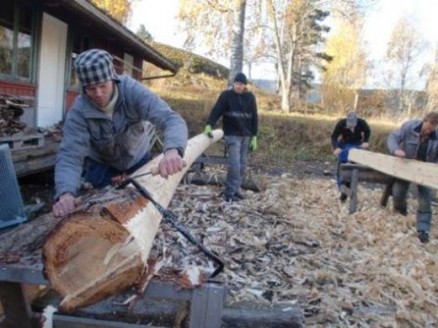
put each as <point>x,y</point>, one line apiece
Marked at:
<point>104,134</point>
<point>238,109</point>
<point>416,139</point>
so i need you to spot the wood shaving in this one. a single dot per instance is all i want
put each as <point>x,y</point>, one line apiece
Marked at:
<point>295,243</point>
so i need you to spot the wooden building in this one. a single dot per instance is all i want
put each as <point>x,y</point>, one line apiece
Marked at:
<point>39,40</point>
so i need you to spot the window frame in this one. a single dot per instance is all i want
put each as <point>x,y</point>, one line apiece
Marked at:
<point>18,7</point>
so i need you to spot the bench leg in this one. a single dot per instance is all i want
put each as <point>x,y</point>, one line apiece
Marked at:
<point>387,192</point>
<point>16,309</point>
<point>353,190</point>
<point>206,307</point>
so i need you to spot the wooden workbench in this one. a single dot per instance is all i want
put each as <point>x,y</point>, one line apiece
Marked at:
<point>28,161</point>
<point>20,266</point>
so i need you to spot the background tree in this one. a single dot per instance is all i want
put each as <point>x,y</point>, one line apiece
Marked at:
<point>296,32</point>
<point>432,85</point>
<point>216,26</point>
<point>405,47</point>
<point>238,31</point>
<point>144,34</point>
<point>118,9</point>
<point>346,74</point>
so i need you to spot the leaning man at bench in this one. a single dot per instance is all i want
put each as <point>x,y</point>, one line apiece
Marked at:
<point>350,132</point>
<point>104,133</point>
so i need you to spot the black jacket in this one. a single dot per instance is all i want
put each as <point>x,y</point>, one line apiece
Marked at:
<point>238,111</point>
<point>343,135</point>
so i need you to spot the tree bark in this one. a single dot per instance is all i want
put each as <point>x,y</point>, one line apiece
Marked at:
<point>236,63</point>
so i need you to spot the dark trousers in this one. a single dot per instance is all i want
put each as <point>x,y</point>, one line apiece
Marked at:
<point>424,210</point>
<point>237,159</point>
<point>100,175</point>
<point>343,158</point>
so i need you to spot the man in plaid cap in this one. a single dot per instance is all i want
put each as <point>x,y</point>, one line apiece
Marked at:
<point>104,133</point>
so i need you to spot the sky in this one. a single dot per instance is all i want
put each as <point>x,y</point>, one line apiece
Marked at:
<point>381,21</point>
<point>159,18</point>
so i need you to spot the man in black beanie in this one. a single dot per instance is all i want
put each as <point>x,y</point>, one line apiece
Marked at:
<point>238,109</point>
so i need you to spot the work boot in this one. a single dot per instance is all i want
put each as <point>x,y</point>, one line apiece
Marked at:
<point>423,236</point>
<point>344,192</point>
<point>231,199</point>
<point>343,197</point>
<point>402,210</point>
<point>239,195</point>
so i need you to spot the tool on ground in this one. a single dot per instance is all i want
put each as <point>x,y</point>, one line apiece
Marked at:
<point>172,218</point>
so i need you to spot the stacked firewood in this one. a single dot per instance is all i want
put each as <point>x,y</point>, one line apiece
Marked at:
<point>11,108</point>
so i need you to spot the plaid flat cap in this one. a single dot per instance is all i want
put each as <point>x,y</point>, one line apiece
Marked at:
<point>94,66</point>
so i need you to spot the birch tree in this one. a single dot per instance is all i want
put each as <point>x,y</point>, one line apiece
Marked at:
<point>432,86</point>
<point>296,32</point>
<point>217,25</point>
<point>404,49</point>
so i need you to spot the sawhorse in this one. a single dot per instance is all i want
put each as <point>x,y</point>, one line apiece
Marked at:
<point>207,301</point>
<point>352,173</point>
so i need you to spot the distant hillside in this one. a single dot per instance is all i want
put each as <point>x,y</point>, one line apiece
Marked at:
<point>268,85</point>
<point>191,62</point>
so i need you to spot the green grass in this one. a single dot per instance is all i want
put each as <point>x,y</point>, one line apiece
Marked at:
<point>283,138</point>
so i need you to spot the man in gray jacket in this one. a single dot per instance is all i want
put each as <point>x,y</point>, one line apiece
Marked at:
<point>104,133</point>
<point>416,139</point>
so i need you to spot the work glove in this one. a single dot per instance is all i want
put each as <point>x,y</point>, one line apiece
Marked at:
<point>253,144</point>
<point>207,131</point>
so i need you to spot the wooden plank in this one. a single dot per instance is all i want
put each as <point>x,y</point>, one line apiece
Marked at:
<point>21,274</point>
<point>263,317</point>
<point>207,306</point>
<point>63,321</point>
<point>425,174</point>
<point>30,161</point>
<point>24,141</point>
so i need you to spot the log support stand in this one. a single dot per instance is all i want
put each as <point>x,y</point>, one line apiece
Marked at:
<point>352,174</point>
<point>207,302</point>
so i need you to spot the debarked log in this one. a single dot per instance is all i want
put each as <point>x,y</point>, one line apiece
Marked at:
<point>205,179</point>
<point>104,249</point>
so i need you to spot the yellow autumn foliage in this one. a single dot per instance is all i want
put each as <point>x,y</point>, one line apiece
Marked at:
<point>118,9</point>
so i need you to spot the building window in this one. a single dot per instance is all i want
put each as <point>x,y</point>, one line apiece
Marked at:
<point>16,40</point>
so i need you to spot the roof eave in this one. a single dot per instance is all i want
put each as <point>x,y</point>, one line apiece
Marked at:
<point>150,54</point>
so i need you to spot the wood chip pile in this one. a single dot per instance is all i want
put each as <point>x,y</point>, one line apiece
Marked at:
<point>295,243</point>
<point>11,108</point>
